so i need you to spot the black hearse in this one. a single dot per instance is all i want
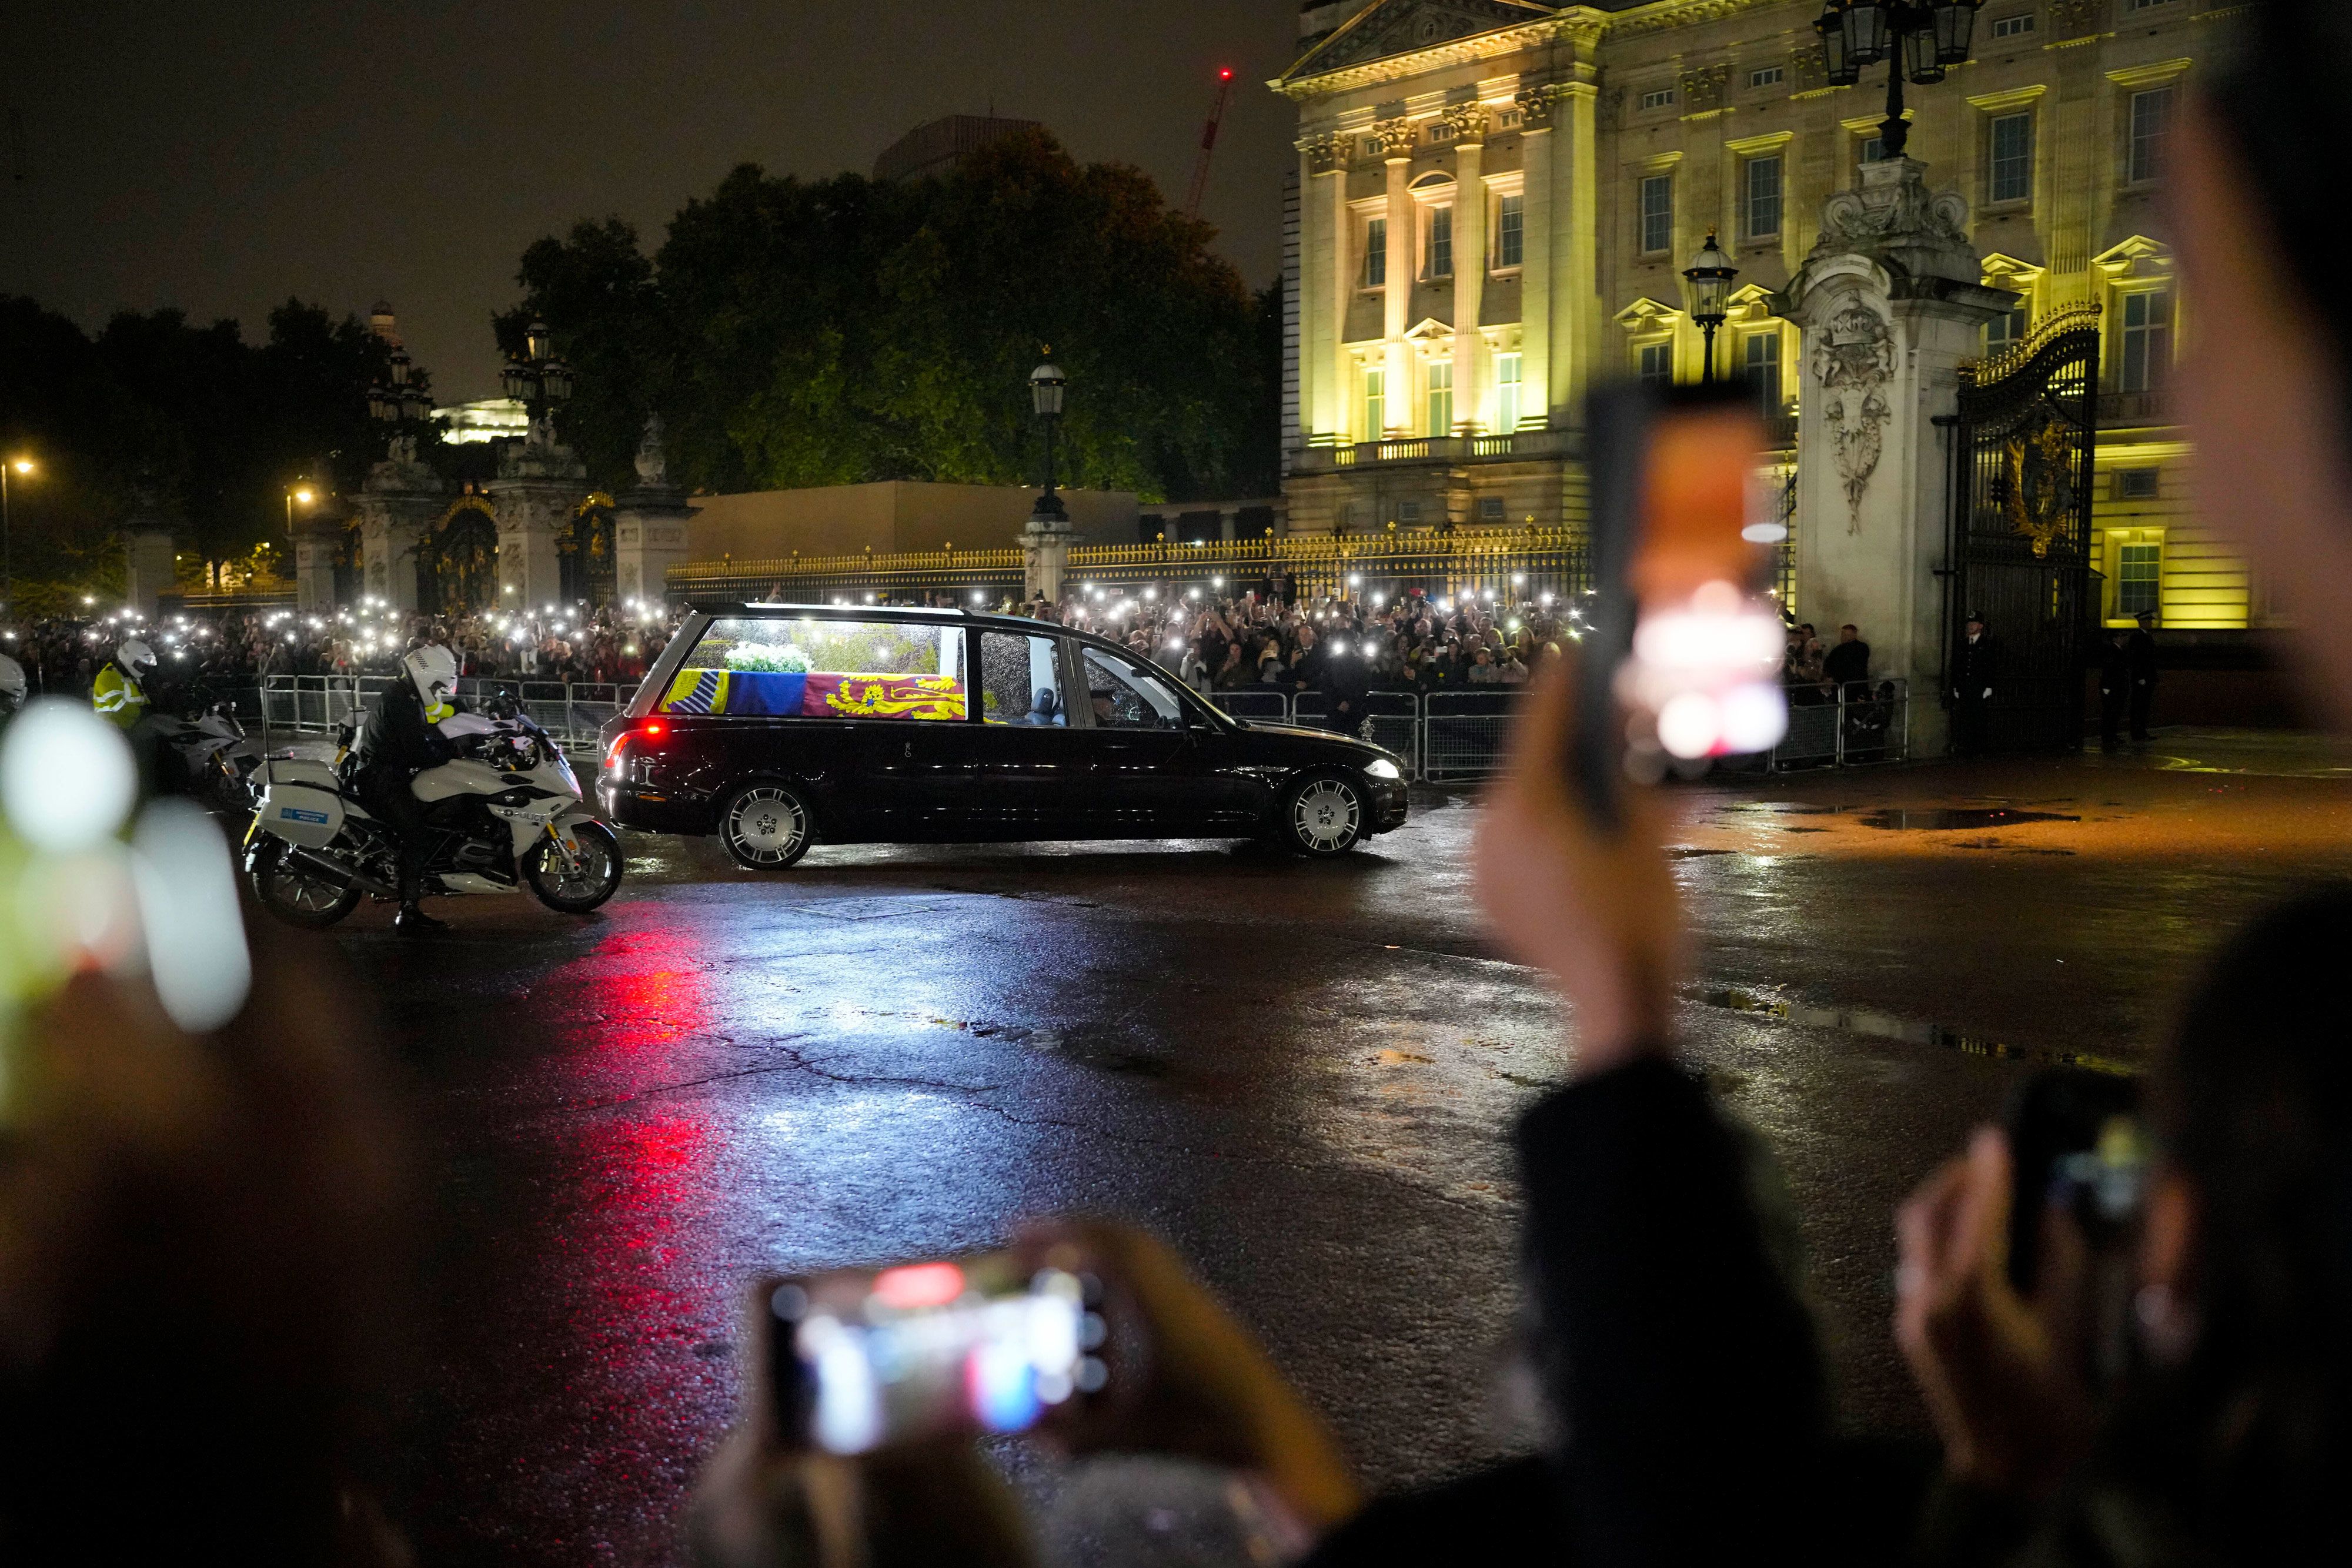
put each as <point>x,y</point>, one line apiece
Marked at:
<point>775,725</point>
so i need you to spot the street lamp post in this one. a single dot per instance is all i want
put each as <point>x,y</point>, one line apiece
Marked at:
<point>1919,37</point>
<point>536,378</point>
<point>303,493</point>
<point>7,543</point>
<point>401,403</point>
<point>1709,274</point>
<point>1045,385</point>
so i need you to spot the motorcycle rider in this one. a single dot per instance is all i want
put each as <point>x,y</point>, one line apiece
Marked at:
<point>120,693</point>
<point>400,741</point>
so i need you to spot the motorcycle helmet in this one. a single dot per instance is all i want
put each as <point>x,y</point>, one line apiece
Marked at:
<point>135,657</point>
<point>434,669</point>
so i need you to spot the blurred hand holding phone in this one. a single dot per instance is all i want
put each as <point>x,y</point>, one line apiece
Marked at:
<point>1684,641</point>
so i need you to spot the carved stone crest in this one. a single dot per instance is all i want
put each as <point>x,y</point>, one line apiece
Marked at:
<point>1852,363</point>
<point>1851,222</point>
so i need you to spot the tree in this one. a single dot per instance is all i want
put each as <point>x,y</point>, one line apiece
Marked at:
<point>796,333</point>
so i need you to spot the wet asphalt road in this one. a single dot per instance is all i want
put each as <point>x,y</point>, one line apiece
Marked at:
<point>1305,1076</point>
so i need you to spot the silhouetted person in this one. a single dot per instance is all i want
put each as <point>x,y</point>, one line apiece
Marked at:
<point>2114,687</point>
<point>2140,651</point>
<point>1848,664</point>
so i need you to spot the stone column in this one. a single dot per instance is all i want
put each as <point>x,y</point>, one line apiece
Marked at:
<point>1543,231</point>
<point>397,506</point>
<point>315,539</point>
<point>1396,139</point>
<point>1891,306</point>
<point>1469,260</point>
<point>649,524</point>
<point>539,485</point>
<point>149,572</point>
<point>1575,267</point>
<point>1044,557</point>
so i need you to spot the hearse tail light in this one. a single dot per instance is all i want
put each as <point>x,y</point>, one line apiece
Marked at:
<point>653,730</point>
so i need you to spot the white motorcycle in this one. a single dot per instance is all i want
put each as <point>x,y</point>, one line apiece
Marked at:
<point>216,760</point>
<point>505,813</point>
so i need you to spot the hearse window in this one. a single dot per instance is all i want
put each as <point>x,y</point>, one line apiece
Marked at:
<point>1020,680</point>
<point>816,668</point>
<point>1128,697</point>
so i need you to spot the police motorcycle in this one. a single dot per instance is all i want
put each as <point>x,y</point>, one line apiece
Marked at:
<point>505,813</point>
<point>216,758</point>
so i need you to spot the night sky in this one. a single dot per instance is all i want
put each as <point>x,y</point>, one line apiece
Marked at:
<point>222,157</point>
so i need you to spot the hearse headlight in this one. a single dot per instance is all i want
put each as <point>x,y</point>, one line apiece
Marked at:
<point>1382,767</point>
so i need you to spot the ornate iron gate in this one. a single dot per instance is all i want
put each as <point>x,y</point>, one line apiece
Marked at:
<point>2018,534</point>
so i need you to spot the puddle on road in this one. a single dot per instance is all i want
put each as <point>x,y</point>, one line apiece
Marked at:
<point>1951,819</point>
<point>1910,1031</point>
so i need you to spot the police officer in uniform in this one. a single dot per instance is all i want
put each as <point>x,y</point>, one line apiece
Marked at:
<point>120,694</point>
<point>399,742</point>
<point>1972,681</point>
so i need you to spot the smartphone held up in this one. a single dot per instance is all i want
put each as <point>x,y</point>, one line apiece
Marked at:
<point>863,1359</point>
<point>1685,643</point>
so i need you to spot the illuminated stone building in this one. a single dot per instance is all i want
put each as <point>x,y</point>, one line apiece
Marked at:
<point>1494,200</point>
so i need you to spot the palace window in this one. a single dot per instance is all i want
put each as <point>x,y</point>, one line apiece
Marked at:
<point>2138,483</point>
<point>1441,242</point>
<point>2144,4</point>
<point>2005,331</point>
<point>1657,97</point>
<point>1874,149</point>
<point>1767,76</point>
<point>2139,579</point>
<point>1657,364</point>
<point>1760,363</point>
<point>1441,397</point>
<point>1507,392</point>
<point>1490,508</point>
<point>2152,133</point>
<point>1763,215</point>
<point>1408,512</point>
<point>1376,403</point>
<point>2010,172</point>
<point>1658,213</point>
<point>2147,340</point>
<point>1376,254</point>
<point>1510,230</point>
<point>2012,26</point>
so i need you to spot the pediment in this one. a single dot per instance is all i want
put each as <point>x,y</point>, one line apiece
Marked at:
<point>1998,265</point>
<point>1429,327</point>
<point>2139,256</point>
<point>1647,314</point>
<point>1388,27</point>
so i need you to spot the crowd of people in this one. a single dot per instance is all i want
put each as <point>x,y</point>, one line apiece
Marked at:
<point>612,644</point>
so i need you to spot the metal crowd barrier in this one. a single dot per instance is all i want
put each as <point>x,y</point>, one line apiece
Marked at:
<point>572,712</point>
<point>1443,737</point>
<point>1862,721</point>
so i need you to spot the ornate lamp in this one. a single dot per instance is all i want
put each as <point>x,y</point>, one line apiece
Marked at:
<point>1865,24</point>
<point>1842,72</point>
<point>1709,275</point>
<point>1919,38</point>
<point>1046,387</point>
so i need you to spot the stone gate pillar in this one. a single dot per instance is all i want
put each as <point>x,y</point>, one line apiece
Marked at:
<point>1892,303</point>
<point>649,524</point>
<point>315,539</point>
<point>397,507</point>
<point>539,485</point>
<point>1045,556</point>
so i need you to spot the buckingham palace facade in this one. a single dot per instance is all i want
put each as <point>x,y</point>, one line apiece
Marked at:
<point>1494,200</point>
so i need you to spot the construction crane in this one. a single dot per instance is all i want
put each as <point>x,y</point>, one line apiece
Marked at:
<point>1209,142</point>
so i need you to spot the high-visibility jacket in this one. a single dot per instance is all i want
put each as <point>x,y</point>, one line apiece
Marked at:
<point>117,694</point>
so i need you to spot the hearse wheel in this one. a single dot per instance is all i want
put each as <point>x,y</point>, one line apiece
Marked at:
<point>766,827</point>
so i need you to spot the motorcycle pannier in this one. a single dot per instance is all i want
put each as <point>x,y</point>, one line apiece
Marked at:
<point>301,805</point>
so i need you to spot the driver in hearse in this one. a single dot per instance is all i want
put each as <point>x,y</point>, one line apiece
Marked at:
<point>401,741</point>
